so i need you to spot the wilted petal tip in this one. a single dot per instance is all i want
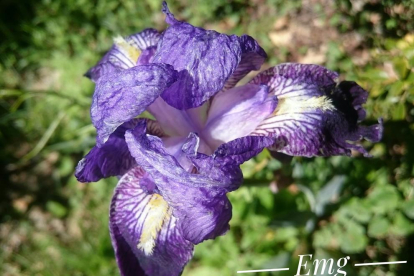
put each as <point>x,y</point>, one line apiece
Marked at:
<point>79,169</point>
<point>170,19</point>
<point>88,74</point>
<point>249,44</point>
<point>374,133</point>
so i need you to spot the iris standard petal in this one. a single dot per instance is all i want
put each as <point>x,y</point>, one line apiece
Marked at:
<point>112,159</point>
<point>128,52</point>
<point>198,201</point>
<point>252,58</point>
<point>174,122</point>
<point>122,96</point>
<point>146,236</point>
<point>315,116</point>
<point>206,60</point>
<point>177,122</point>
<point>236,113</point>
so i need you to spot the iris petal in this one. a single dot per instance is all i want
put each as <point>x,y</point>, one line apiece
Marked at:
<point>206,60</point>
<point>242,149</point>
<point>252,58</point>
<point>112,159</point>
<point>204,211</point>
<point>145,234</point>
<point>224,164</point>
<point>236,113</point>
<point>122,96</point>
<point>136,49</point>
<point>315,116</point>
<point>173,121</point>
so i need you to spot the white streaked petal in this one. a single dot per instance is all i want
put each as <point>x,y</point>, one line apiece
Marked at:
<point>144,232</point>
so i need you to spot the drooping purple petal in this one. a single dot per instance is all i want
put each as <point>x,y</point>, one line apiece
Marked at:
<point>198,201</point>
<point>137,49</point>
<point>206,60</point>
<point>236,113</point>
<point>315,116</point>
<point>146,236</point>
<point>112,159</point>
<point>122,96</point>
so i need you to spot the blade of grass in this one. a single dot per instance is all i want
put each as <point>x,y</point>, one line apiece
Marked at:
<point>45,138</point>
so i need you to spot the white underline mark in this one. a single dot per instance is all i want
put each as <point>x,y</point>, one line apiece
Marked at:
<point>262,270</point>
<point>384,263</point>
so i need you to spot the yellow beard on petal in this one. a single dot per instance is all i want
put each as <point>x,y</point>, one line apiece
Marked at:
<point>290,105</point>
<point>159,214</point>
<point>127,48</point>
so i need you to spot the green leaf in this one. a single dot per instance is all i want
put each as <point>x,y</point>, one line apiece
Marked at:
<point>353,239</point>
<point>56,209</point>
<point>329,193</point>
<point>66,166</point>
<point>391,23</point>
<point>401,67</point>
<point>401,225</point>
<point>378,227</point>
<point>357,209</point>
<point>408,208</point>
<point>383,199</point>
<point>281,260</point>
<point>293,218</point>
<point>399,111</point>
<point>397,88</point>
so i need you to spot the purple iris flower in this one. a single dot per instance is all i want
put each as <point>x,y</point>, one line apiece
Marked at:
<point>176,170</point>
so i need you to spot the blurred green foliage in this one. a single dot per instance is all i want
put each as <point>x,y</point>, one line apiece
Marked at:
<point>330,207</point>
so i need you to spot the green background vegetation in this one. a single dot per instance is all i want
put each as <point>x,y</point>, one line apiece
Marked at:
<point>330,207</point>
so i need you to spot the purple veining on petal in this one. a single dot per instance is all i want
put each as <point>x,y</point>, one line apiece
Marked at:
<point>152,153</point>
<point>253,57</point>
<point>146,39</point>
<point>117,59</point>
<point>120,97</point>
<point>112,159</point>
<point>282,79</point>
<point>216,166</point>
<point>315,116</point>
<point>206,60</point>
<point>242,149</point>
<point>204,211</point>
<point>146,237</point>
